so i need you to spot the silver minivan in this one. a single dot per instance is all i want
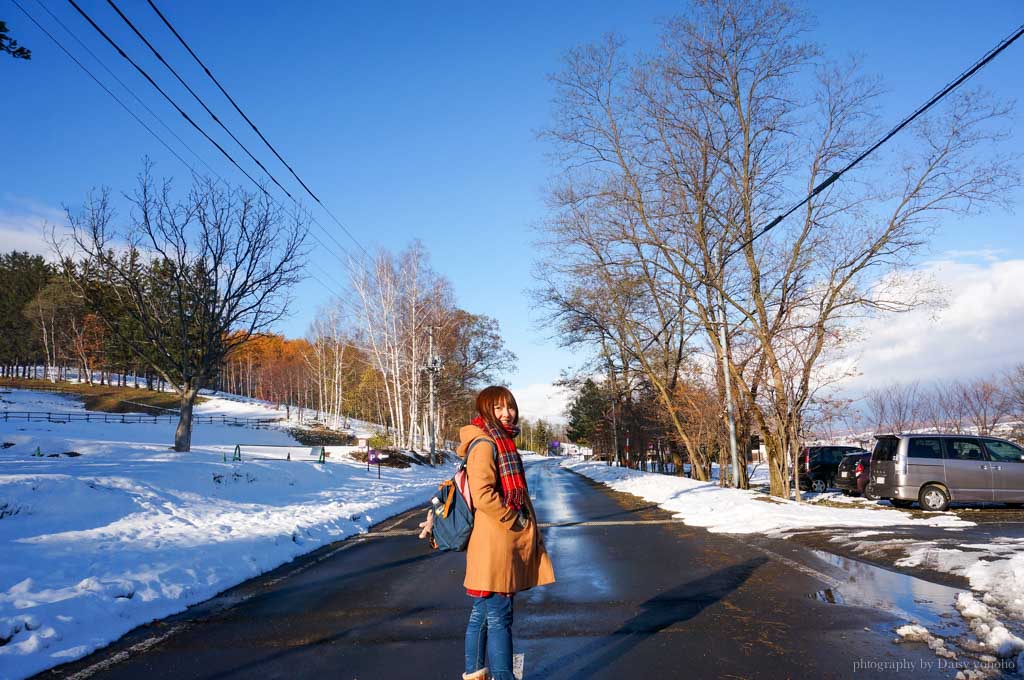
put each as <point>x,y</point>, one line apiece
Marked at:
<point>935,469</point>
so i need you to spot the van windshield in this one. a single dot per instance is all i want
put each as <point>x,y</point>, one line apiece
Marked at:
<point>885,448</point>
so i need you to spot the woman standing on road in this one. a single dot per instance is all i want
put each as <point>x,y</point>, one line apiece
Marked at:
<point>505,553</point>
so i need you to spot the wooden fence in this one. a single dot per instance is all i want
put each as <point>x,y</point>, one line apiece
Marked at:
<point>128,418</point>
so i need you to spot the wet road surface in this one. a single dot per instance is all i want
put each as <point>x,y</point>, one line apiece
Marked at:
<point>637,596</point>
<point>885,546</point>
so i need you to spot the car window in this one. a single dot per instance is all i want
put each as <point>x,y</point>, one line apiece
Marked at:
<point>964,449</point>
<point>1004,451</point>
<point>921,447</point>
<point>885,448</point>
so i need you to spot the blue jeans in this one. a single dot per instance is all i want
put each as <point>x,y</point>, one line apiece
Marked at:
<point>489,636</point>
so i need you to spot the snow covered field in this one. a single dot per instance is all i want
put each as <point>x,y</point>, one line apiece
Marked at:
<point>130,531</point>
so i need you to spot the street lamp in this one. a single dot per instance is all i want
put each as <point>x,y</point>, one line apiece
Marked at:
<point>433,366</point>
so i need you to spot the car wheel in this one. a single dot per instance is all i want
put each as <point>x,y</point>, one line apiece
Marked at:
<point>868,496</point>
<point>900,502</point>
<point>818,486</point>
<point>933,497</point>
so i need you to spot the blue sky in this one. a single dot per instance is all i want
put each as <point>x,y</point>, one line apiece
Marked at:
<point>416,120</point>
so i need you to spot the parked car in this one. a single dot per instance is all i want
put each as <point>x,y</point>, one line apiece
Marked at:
<point>935,469</point>
<point>819,465</point>
<point>853,473</point>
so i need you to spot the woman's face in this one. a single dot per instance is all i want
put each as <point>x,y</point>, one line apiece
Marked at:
<point>505,414</point>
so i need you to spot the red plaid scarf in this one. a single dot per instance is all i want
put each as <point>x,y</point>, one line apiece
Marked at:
<point>510,465</point>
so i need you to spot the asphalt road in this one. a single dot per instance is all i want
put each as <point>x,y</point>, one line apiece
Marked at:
<point>638,595</point>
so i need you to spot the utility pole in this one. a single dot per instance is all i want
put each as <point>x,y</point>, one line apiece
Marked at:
<point>724,340</point>
<point>433,366</point>
<point>728,406</point>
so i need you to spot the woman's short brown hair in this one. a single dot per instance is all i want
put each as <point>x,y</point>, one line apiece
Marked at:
<point>491,396</point>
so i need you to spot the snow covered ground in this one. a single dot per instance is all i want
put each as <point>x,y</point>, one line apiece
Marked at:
<point>220,403</point>
<point>744,512</point>
<point>130,531</point>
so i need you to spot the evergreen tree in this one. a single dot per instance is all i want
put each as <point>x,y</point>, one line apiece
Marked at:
<point>585,413</point>
<point>9,45</point>
<point>22,277</point>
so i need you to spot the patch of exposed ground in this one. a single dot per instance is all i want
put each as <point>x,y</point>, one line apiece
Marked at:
<point>106,398</point>
<point>319,435</point>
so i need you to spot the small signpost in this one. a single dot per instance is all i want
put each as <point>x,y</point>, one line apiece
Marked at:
<point>374,456</point>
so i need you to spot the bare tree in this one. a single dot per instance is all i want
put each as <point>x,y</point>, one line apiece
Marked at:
<point>53,311</point>
<point>1014,387</point>
<point>895,407</point>
<point>985,402</point>
<point>398,298</point>
<point>197,277</point>
<point>673,163</point>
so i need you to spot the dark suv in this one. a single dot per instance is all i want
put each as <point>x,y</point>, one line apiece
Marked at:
<point>819,464</point>
<point>854,473</point>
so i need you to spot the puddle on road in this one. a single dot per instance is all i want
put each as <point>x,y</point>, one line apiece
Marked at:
<point>913,599</point>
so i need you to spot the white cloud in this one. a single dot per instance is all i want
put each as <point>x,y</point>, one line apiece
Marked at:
<point>24,225</point>
<point>980,331</point>
<point>541,401</point>
<point>987,254</point>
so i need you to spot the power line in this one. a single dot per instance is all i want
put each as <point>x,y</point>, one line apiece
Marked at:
<point>165,95</point>
<point>120,82</point>
<point>196,96</point>
<point>222,125</point>
<point>251,124</point>
<point>978,65</point>
<point>229,98</point>
<point>105,88</point>
<point>57,42</point>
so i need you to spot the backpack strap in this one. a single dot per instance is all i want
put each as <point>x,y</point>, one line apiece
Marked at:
<point>461,479</point>
<point>480,439</point>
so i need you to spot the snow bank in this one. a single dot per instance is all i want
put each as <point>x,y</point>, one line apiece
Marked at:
<point>999,577</point>
<point>130,531</point>
<point>987,628</point>
<point>744,512</point>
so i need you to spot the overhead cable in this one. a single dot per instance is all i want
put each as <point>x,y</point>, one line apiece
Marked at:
<point>249,121</point>
<point>195,96</point>
<point>105,88</point>
<point>118,80</point>
<point>159,138</point>
<point>165,95</point>
<point>978,65</point>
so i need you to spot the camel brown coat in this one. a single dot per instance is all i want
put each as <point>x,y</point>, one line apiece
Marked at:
<point>500,558</point>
